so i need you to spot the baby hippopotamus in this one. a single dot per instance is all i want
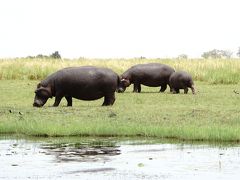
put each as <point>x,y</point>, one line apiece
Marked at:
<point>85,83</point>
<point>181,80</point>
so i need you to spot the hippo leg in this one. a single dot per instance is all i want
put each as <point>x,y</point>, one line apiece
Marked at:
<point>193,89</point>
<point>69,100</point>
<point>57,100</point>
<point>136,87</point>
<point>139,88</point>
<point>163,88</point>
<point>185,90</point>
<point>109,99</point>
<point>173,91</point>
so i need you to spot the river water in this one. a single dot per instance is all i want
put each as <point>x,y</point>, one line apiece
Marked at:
<point>111,158</point>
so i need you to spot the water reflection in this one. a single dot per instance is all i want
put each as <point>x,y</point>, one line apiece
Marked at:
<point>110,158</point>
<point>81,152</point>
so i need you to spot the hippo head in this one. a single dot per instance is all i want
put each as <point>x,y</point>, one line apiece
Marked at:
<point>41,95</point>
<point>124,83</point>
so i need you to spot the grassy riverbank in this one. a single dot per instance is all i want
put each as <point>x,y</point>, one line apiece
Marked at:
<point>213,114</point>
<point>211,71</point>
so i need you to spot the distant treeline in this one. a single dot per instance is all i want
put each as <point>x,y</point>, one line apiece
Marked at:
<point>212,54</point>
<point>217,71</point>
<point>54,55</point>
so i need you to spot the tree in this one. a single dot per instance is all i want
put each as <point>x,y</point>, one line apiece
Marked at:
<point>226,54</point>
<point>238,53</point>
<point>217,54</point>
<point>205,55</point>
<point>182,56</point>
<point>214,54</point>
<point>55,55</point>
<point>142,57</point>
<point>40,56</point>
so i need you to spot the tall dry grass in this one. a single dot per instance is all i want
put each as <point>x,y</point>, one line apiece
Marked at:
<point>211,71</point>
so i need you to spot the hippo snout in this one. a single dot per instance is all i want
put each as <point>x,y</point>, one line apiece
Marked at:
<point>120,90</point>
<point>36,105</point>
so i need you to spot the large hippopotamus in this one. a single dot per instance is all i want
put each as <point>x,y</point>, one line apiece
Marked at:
<point>181,80</point>
<point>151,74</point>
<point>84,83</point>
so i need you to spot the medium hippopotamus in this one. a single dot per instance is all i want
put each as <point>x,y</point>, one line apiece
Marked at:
<point>181,80</point>
<point>84,83</point>
<point>151,74</point>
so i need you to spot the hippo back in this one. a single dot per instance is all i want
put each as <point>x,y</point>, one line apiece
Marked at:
<point>86,82</point>
<point>152,74</point>
<point>180,80</point>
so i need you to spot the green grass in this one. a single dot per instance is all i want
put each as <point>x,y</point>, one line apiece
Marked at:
<point>212,115</point>
<point>210,71</point>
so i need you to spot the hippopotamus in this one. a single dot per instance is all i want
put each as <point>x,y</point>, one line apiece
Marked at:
<point>181,80</point>
<point>151,74</point>
<point>84,83</point>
